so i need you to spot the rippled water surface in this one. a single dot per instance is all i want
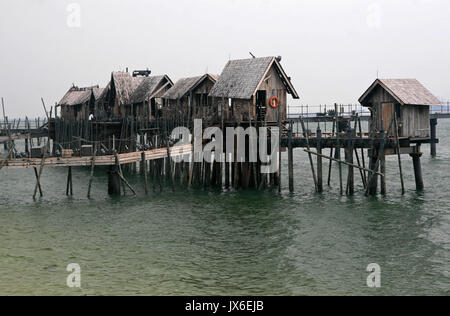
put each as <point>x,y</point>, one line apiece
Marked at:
<point>227,243</point>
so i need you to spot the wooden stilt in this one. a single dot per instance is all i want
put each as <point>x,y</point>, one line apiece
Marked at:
<point>290,160</point>
<point>38,178</point>
<point>399,154</point>
<point>113,181</point>
<point>144,171</point>
<point>331,155</point>
<point>417,168</point>
<point>383,171</point>
<point>349,158</point>
<point>319,161</point>
<point>69,189</point>
<point>433,124</point>
<point>92,173</point>
<point>305,134</point>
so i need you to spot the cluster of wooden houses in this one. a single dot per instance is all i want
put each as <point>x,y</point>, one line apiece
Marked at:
<point>241,93</point>
<point>244,92</point>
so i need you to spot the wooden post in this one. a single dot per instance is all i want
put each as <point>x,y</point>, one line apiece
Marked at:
<point>280,132</point>
<point>383,171</point>
<point>305,134</point>
<point>290,160</point>
<point>69,188</point>
<point>374,165</point>
<point>319,161</point>
<point>39,184</point>
<point>121,175</point>
<point>92,172</point>
<point>113,180</point>
<point>349,158</point>
<point>144,169</point>
<point>331,154</point>
<point>399,154</point>
<point>417,168</point>
<point>433,124</point>
<point>373,179</point>
<point>38,178</point>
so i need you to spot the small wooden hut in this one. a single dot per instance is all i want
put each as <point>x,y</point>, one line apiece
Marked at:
<point>146,100</point>
<point>189,97</point>
<point>246,86</point>
<point>132,96</point>
<point>78,103</point>
<point>407,98</point>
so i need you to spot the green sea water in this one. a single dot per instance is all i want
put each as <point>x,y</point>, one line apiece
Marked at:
<point>228,243</point>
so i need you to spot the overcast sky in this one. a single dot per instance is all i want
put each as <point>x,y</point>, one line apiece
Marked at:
<point>331,49</point>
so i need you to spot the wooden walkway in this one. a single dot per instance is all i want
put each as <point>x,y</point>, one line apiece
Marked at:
<point>134,157</point>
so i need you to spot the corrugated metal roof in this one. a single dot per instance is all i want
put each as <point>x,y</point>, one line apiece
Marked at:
<point>240,78</point>
<point>405,91</point>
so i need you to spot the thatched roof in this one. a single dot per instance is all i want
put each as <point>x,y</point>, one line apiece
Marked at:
<point>104,93</point>
<point>185,85</point>
<point>405,91</point>
<point>125,85</point>
<point>148,87</point>
<point>97,92</point>
<point>241,78</point>
<point>76,96</point>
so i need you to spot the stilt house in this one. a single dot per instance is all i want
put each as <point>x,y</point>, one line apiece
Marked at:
<point>247,87</point>
<point>189,97</point>
<point>408,99</point>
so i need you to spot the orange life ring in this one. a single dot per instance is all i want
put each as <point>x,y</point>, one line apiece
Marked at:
<point>274,102</point>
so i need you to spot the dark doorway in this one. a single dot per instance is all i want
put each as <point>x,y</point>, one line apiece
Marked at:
<point>261,97</point>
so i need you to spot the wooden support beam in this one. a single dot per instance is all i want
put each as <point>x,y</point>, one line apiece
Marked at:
<point>342,162</point>
<point>398,154</point>
<point>417,169</point>
<point>319,161</point>
<point>290,161</point>
<point>144,170</point>
<point>433,124</point>
<point>91,177</point>
<point>305,133</point>
<point>39,184</point>
<point>38,178</point>
<point>331,155</point>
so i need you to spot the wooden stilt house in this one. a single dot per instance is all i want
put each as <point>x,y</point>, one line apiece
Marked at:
<point>132,96</point>
<point>408,99</point>
<point>146,100</point>
<point>250,88</point>
<point>79,103</point>
<point>189,97</point>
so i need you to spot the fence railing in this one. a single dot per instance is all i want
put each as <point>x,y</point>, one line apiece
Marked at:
<point>19,124</point>
<point>294,111</point>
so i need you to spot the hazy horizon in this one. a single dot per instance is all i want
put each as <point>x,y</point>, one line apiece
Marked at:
<point>333,50</point>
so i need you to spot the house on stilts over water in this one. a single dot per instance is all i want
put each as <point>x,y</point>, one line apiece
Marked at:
<point>254,89</point>
<point>407,99</point>
<point>189,98</point>
<point>79,103</point>
<point>135,96</point>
